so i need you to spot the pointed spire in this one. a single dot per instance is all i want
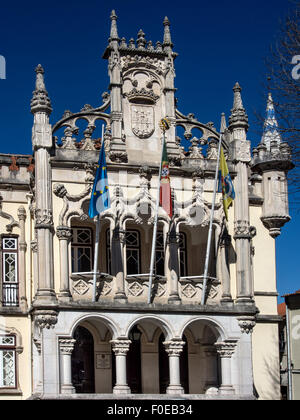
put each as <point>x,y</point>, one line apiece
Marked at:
<point>40,101</point>
<point>238,115</point>
<point>167,34</point>
<point>237,99</point>
<point>223,123</point>
<point>113,28</point>
<point>271,131</point>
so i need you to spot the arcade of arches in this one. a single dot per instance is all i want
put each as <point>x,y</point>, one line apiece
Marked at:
<point>145,362</point>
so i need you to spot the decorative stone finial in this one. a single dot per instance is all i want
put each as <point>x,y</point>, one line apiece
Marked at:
<point>223,123</point>
<point>271,132</point>
<point>141,41</point>
<point>238,115</point>
<point>40,101</point>
<point>113,29</point>
<point>167,33</point>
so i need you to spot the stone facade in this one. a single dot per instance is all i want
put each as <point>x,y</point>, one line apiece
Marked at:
<point>181,346</point>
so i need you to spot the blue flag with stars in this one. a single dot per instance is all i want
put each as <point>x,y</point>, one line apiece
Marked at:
<point>100,199</point>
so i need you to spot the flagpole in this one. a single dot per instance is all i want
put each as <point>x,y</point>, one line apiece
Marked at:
<point>210,224</point>
<point>96,257</point>
<point>155,225</point>
<point>96,250</point>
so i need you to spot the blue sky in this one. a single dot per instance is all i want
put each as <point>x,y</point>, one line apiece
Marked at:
<point>218,43</point>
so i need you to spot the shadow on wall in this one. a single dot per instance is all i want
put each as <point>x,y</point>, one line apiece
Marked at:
<point>270,390</point>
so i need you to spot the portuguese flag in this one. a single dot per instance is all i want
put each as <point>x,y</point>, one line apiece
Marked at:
<point>165,186</point>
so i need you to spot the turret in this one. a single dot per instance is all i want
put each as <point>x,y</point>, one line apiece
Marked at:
<point>272,160</point>
<point>142,93</point>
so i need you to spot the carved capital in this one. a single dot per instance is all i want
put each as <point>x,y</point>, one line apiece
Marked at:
<point>226,348</point>
<point>64,232</point>
<point>120,347</point>
<point>174,348</point>
<point>66,345</point>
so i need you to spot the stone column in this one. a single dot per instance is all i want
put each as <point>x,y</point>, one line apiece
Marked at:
<point>22,259</point>
<point>225,350</point>
<point>37,367</point>
<point>211,366</point>
<point>120,348</point>
<point>33,245</point>
<point>225,241</point>
<point>64,234</point>
<point>45,297</point>
<point>66,346</point>
<point>117,263</point>
<point>174,348</point>
<point>172,265</point>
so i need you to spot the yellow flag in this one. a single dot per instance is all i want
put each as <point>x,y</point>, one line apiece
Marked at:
<point>225,184</point>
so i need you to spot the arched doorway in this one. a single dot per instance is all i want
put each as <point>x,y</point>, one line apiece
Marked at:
<point>83,375</point>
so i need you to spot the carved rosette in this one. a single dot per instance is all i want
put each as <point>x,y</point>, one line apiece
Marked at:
<point>246,323</point>
<point>174,348</point>
<point>120,347</point>
<point>66,345</point>
<point>226,349</point>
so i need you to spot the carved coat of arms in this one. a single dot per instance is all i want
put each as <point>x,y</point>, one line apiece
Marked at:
<point>142,121</point>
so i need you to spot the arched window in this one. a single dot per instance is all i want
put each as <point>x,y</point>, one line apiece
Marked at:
<point>82,249</point>
<point>133,252</point>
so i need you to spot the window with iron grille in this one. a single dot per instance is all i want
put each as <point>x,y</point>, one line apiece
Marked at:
<point>7,361</point>
<point>10,283</point>
<point>133,251</point>
<point>82,249</point>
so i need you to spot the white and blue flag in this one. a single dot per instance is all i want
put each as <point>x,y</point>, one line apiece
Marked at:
<point>100,199</point>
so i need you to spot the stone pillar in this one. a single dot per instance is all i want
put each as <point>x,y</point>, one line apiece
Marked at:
<point>118,147</point>
<point>225,350</point>
<point>120,348</point>
<point>66,346</point>
<point>38,367</point>
<point>172,265</point>
<point>45,297</point>
<point>64,234</point>
<point>22,260</point>
<point>174,348</point>
<point>117,263</point>
<point>241,156</point>
<point>225,241</point>
<point>33,245</point>
<point>211,366</point>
